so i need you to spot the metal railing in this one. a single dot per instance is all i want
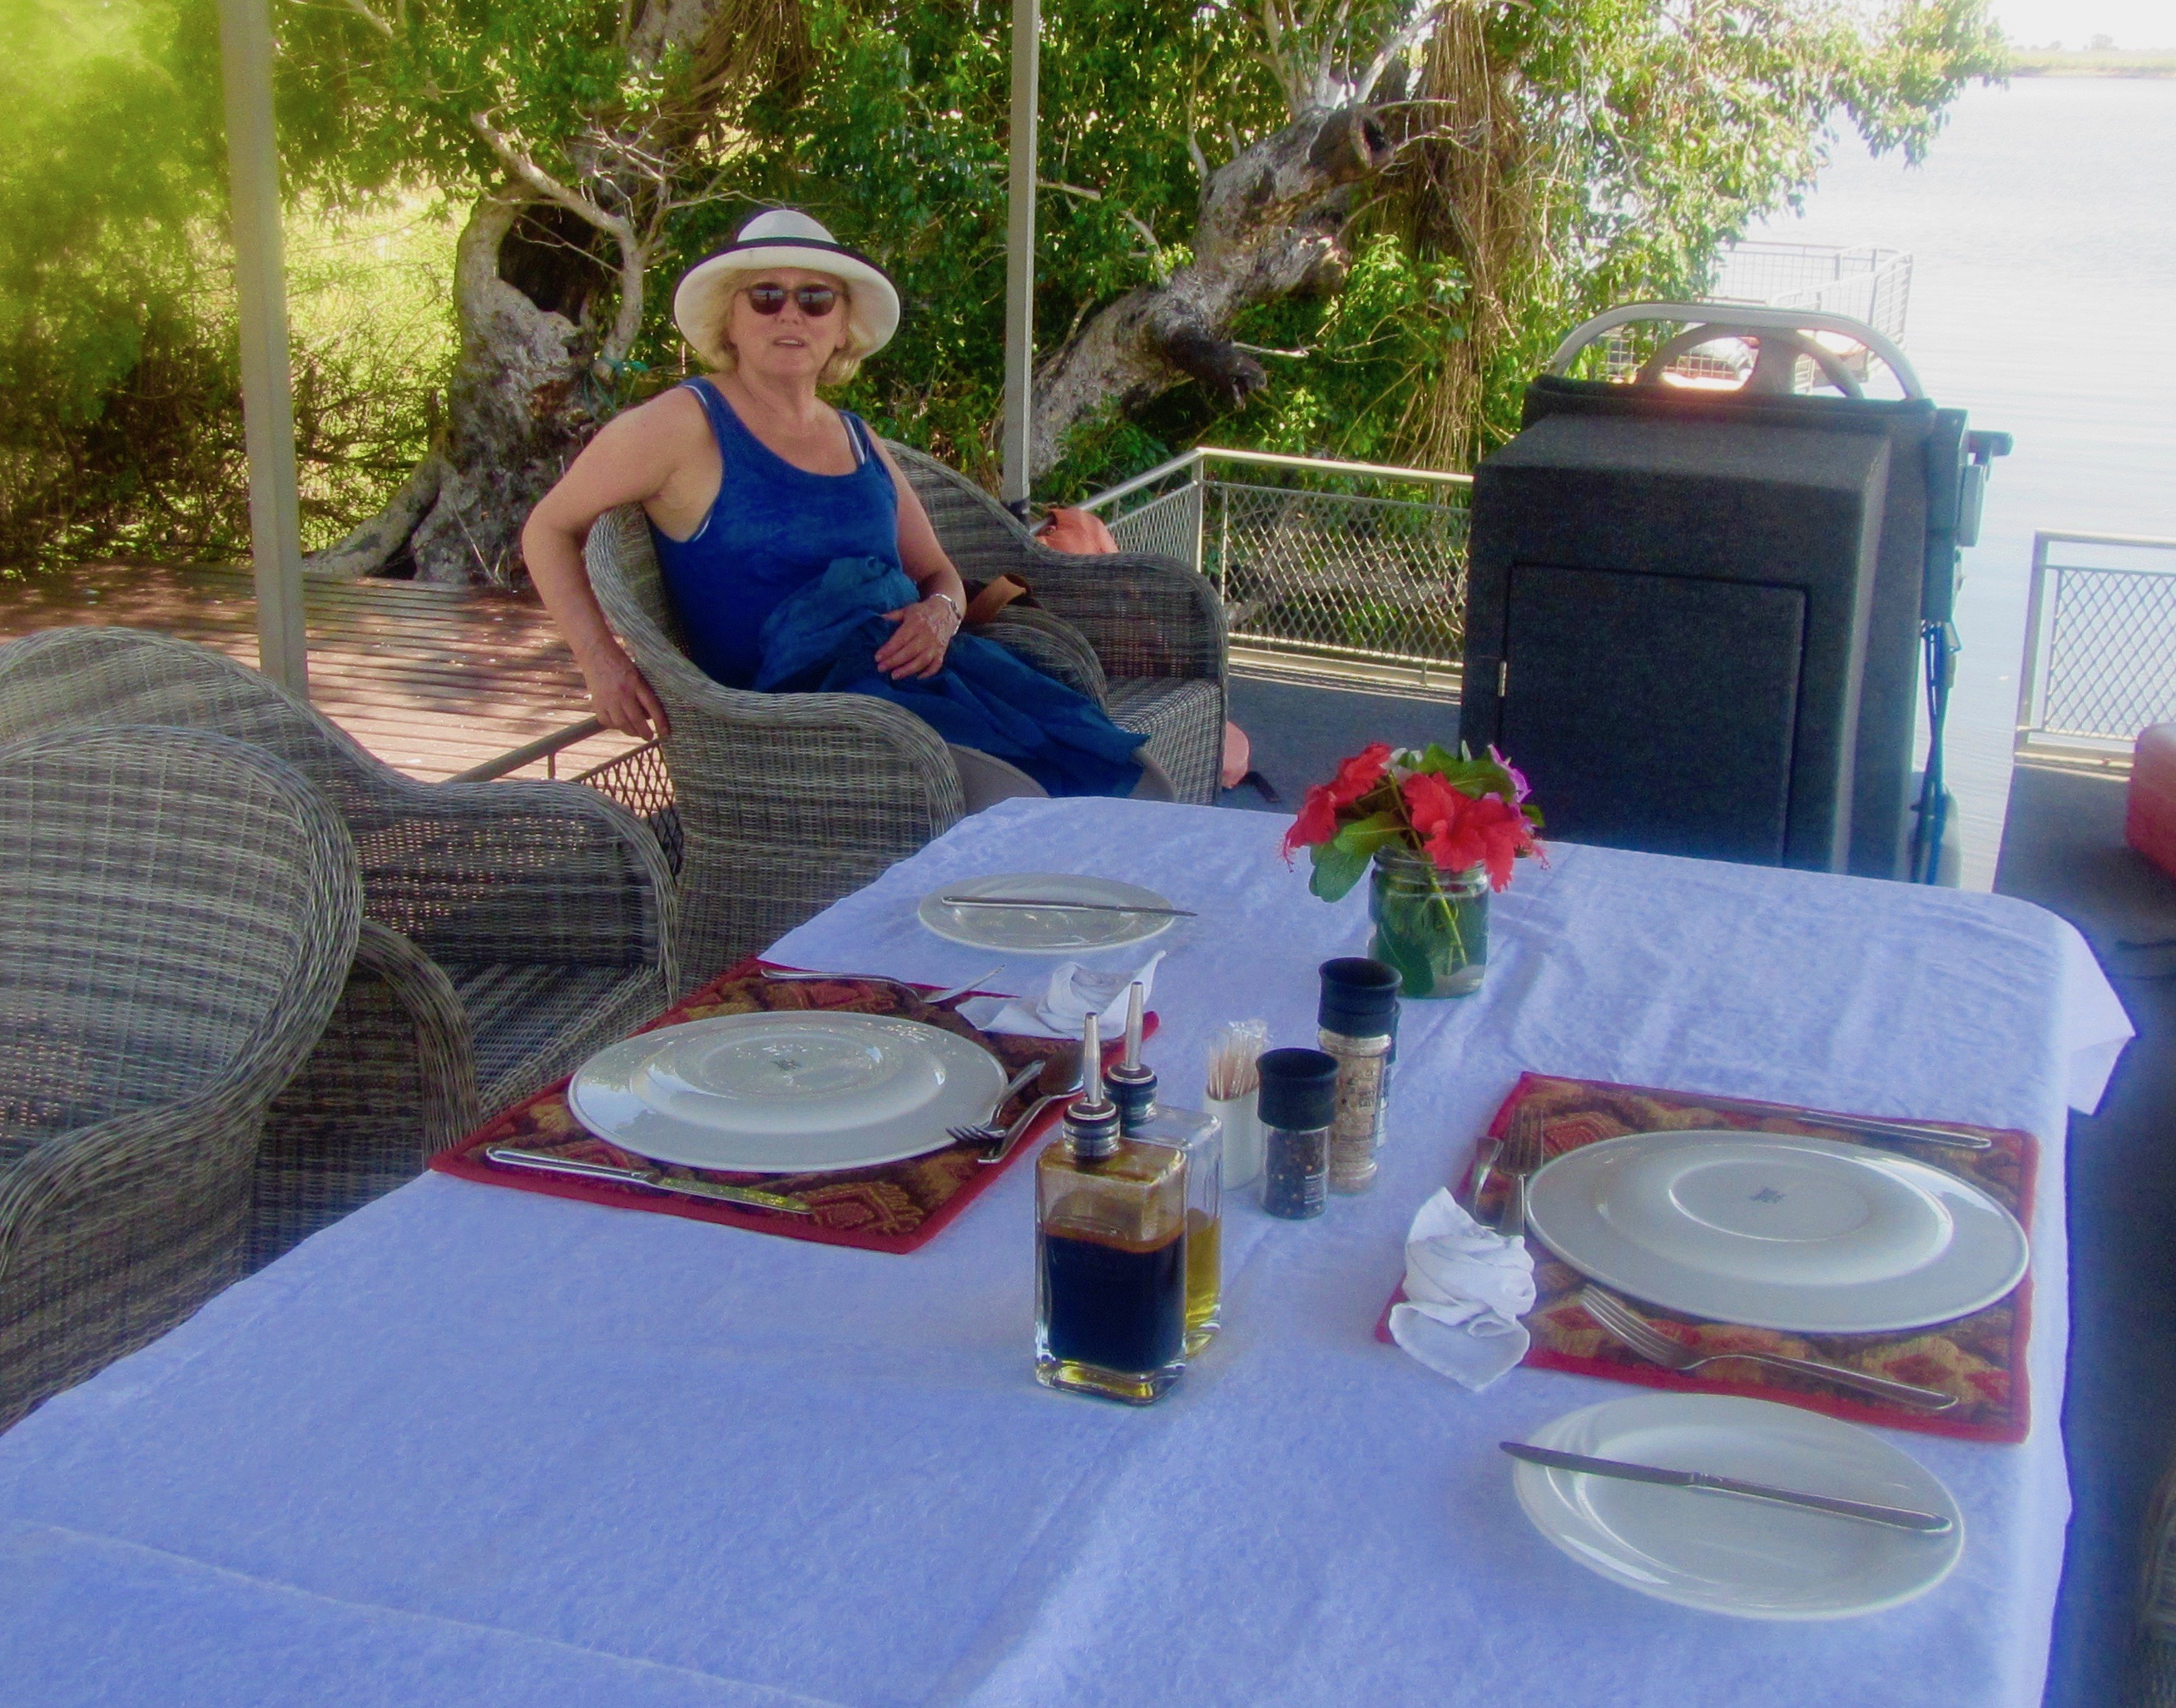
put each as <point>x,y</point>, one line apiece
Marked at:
<point>637,779</point>
<point>1871,284</point>
<point>1315,558</point>
<point>2100,643</point>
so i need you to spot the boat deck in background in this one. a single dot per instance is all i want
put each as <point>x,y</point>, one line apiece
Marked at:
<point>432,680</point>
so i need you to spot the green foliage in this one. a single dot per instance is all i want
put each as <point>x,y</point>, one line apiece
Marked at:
<point>1342,862</point>
<point>105,164</point>
<point>1649,133</point>
<point>118,347</point>
<point>895,134</point>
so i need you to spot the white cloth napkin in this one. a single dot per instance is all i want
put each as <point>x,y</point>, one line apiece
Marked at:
<point>1465,1289</point>
<point>1060,1009</point>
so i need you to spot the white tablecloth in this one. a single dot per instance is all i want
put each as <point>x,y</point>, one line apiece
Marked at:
<point>480,1447</point>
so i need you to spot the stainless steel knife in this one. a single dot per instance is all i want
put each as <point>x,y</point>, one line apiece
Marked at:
<point>1868,1126</point>
<point>1064,907</point>
<point>1869,1512</point>
<point>540,1162</point>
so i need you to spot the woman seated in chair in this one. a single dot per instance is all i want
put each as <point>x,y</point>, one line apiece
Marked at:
<point>796,556</point>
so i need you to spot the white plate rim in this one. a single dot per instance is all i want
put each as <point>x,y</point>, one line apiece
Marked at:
<point>663,1137</point>
<point>1116,890</point>
<point>1803,1304</point>
<point>1551,1512</point>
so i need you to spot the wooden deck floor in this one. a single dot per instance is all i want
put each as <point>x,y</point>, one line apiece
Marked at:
<point>431,680</point>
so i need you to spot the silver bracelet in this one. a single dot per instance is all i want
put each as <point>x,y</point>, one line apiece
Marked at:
<point>959,612</point>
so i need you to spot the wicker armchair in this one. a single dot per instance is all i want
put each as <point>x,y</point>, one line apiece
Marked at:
<point>178,913</point>
<point>511,928</point>
<point>2150,1676</point>
<point>1155,628</point>
<point>788,801</point>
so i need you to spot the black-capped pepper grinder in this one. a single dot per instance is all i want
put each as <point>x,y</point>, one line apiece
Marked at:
<point>1297,1103</point>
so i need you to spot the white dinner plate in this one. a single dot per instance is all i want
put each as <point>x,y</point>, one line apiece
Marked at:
<point>1809,1236</point>
<point>1050,931</point>
<point>786,1093</point>
<point>1723,1553</point>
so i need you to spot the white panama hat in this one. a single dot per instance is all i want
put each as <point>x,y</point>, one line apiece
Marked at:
<point>786,237</point>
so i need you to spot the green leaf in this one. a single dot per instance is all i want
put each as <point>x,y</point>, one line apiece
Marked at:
<point>1336,870</point>
<point>1363,836</point>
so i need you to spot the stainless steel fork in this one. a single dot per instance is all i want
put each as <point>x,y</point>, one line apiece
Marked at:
<point>1643,1337</point>
<point>1521,1156</point>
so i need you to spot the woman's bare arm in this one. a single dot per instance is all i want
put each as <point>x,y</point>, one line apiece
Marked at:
<point>651,455</point>
<point>925,630</point>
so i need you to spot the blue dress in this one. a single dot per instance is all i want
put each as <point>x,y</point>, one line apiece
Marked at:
<point>772,529</point>
<point>782,588</point>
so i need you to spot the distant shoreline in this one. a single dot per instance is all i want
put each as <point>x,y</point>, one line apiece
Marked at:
<point>2136,63</point>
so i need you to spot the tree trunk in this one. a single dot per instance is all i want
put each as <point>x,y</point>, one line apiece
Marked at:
<point>1273,223</point>
<point>523,401</point>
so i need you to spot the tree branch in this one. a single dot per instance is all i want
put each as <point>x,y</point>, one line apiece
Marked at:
<point>517,162</point>
<point>371,18</point>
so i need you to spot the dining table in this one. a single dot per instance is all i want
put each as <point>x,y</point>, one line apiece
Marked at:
<point>483,1446</point>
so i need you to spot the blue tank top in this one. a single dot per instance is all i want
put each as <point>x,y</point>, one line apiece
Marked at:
<point>772,529</point>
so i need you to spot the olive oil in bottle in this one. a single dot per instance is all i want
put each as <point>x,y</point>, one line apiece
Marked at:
<point>1133,1088</point>
<point>1111,1250</point>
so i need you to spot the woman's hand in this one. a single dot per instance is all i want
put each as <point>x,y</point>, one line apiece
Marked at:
<point>619,695</point>
<point>916,648</point>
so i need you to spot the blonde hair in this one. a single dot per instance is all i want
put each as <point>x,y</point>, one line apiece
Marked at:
<point>718,355</point>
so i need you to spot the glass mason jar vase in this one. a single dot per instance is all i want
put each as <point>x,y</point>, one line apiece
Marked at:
<point>1432,925</point>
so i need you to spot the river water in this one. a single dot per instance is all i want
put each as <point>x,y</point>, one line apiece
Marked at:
<point>2044,228</point>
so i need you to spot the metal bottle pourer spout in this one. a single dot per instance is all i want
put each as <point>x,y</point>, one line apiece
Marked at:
<point>1132,1083</point>
<point>1092,1125</point>
<point>1092,1061</point>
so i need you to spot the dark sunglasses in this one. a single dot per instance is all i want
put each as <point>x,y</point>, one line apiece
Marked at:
<point>815,301</point>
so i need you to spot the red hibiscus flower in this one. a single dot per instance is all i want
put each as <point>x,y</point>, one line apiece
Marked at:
<point>1359,774</point>
<point>1316,821</point>
<point>1458,831</point>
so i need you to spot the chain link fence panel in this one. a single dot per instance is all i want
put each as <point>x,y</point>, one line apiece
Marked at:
<point>1326,574</point>
<point>2111,668</point>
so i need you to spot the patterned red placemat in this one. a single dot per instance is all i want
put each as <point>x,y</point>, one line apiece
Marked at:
<point>895,1206</point>
<point>1980,1359</point>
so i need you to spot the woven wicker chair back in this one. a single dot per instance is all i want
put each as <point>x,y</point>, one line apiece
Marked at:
<point>436,873</point>
<point>786,802</point>
<point>178,912</point>
<point>166,899</point>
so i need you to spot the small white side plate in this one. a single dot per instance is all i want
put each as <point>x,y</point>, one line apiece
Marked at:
<point>1746,1557</point>
<point>786,1093</point>
<point>1809,1235</point>
<point>1051,930</point>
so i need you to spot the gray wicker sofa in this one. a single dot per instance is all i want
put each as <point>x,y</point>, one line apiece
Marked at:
<point>511,928</point>
<point>786,803</point>
<point>178,911</point>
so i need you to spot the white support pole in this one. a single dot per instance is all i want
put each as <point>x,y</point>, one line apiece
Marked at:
<point>1020,258</point>
<point>252,165</point>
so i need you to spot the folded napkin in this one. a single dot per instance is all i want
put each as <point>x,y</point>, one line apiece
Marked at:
<point>1061,1007</point>
<point>1466,1290</point>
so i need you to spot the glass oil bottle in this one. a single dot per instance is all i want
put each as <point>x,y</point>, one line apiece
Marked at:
<point>1200,1135</point>
<point>1110,1237</point>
